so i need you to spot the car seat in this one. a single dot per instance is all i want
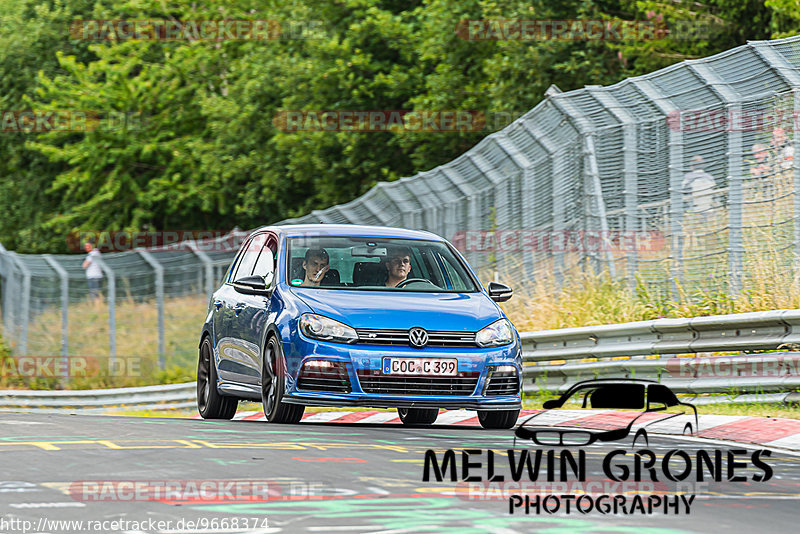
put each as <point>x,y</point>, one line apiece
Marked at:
<point>331,278</point>
<point>369,273</point>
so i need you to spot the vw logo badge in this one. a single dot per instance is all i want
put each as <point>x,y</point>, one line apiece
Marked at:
<point>418,337</point>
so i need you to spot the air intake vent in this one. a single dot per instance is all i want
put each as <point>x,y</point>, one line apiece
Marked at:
<point>501,380</point>
<point>323,375</point>
<point>372,381</point>
<point>400,337</point>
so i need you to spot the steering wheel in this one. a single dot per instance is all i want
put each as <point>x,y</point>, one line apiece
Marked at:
<point>409,280</point>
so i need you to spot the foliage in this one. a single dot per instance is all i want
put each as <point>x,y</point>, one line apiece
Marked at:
<point>200,150</point>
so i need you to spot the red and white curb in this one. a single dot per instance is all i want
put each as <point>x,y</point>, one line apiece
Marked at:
<point>765,431</point>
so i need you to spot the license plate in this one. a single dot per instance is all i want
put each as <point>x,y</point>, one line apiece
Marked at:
<point>420,366</point>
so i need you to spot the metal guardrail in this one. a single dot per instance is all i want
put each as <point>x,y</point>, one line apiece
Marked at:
<point>650,349</point>
<point>554,359</point>
<point>164,397</point>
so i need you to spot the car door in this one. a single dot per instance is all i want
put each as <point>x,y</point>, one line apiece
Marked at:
<point>231,349</point>
<point>250,313</point>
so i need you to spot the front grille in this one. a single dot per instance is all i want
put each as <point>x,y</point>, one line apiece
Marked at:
<point>546,438</point>
<point>373,336</point>
<point>373,382</point>
<point>501,383</point>
<point>331,379</point>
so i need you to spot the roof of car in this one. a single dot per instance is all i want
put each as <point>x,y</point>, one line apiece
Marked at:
<point>293,230</point>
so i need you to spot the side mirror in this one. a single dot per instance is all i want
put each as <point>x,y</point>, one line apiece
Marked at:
<point>499,292</point>
<point>252,285</point>
<point>550,404</point>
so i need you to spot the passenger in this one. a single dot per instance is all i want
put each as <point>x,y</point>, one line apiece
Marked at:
<point>315,265</point>
<point>398,265</point>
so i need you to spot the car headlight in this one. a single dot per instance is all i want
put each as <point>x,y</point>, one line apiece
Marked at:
<point>498,333</point>
<point>325,329</point>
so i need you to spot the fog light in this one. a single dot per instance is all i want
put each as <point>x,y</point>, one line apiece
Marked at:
<point>318,364</point>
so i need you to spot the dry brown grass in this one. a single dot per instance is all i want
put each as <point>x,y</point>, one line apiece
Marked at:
<point>136,340</point>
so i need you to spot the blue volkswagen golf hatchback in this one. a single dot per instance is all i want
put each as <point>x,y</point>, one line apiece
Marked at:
<point>340,315</point>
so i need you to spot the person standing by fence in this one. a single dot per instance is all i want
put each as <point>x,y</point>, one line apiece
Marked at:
<point>94,274</point>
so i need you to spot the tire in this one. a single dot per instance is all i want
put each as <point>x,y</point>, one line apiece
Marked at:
<point>273,382</point>
<point>498,419</point>
<point>418,416</point>
<point>210,404</point>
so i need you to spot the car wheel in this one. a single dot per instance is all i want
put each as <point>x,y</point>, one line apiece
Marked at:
<point>498,419</point>
<point>641,433</point>
<point>418,416</point>
<point>273,382</point>
<point>210,403</point>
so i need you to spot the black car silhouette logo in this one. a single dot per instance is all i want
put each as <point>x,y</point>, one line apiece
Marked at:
<point>608,410</point>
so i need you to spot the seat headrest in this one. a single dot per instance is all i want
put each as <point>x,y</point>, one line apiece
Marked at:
<point>331,278</point>
<point>369,273</point>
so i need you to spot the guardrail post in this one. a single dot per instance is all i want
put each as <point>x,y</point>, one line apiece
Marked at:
<point>5,280</point>
<point>22,340</point>
<point>675,144</point>
<point>528,194</point>
<point>597,205</point>
<point>207,263</point>
<point>159,279</point>
<point>528,202</point>
<point>735,205</point>
<point>112,304</point>
<point>796,182</point>
<point>735,194</point>
<point>62,274</point>
<point>629,171</point>
<point>558,192</point>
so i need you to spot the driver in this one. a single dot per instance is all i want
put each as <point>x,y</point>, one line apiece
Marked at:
<point>398,265</point>
<point>315,265</point>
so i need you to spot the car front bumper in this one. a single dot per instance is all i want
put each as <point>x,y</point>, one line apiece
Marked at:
<point>359,360</point>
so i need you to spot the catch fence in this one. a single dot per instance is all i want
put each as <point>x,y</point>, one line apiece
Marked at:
<point>684,178</point>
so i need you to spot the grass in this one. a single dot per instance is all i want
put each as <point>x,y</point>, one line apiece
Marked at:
<point>586,298</point>
<point>136,344</point>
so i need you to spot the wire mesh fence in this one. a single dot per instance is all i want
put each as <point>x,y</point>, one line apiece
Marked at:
<point>148,299</point>
<point>685,176</point>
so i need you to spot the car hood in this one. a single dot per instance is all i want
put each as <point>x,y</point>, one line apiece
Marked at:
<point>588,420</point>
<point>464,312</point>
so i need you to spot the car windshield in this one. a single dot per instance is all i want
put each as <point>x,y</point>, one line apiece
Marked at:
<point>368,263</point>
<point>608,396</point>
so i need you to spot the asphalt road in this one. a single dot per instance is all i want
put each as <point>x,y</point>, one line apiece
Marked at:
<point>248,476</point>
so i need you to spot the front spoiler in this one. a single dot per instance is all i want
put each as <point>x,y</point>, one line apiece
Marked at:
<point>374,402</point>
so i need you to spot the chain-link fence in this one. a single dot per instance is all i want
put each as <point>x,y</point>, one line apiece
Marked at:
<point>148,300</point>
<point>685,176</point>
